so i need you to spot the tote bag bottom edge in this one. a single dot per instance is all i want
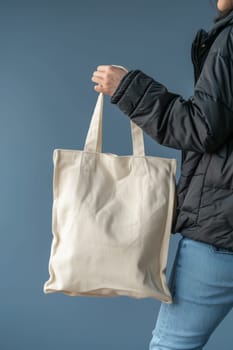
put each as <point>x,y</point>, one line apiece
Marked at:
<point>109,292</point>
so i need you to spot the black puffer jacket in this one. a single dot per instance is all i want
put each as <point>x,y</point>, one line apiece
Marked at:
<point>201,126</point>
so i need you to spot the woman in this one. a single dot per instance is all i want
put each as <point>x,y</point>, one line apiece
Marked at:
<point>201,281</point>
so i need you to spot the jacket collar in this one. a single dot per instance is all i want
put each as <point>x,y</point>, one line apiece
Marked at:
<point>202,36</point>
<point>203,41</point>
<point>221,23</point>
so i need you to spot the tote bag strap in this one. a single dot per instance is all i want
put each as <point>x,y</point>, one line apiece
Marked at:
<point>93,142</point>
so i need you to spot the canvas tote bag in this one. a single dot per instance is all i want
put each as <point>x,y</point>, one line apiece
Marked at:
<point>111,219</point>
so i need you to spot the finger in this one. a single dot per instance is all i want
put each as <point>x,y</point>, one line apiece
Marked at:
<point>97,80</point>
<point>98,75</point>
<point>102,68</point>
<point>124,68</point>
<point>99,88</point>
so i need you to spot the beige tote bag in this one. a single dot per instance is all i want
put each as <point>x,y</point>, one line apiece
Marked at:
<point>111,219</point>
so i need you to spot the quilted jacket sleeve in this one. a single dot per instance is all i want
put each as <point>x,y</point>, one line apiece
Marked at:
<point>202,123</point>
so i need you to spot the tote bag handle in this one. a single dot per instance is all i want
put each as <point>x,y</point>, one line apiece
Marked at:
<point>93,141</point>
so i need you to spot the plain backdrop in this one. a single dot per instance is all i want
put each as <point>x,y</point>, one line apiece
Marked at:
<point>49,51</point>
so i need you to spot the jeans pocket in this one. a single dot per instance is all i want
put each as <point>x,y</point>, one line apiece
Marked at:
<point>218,250</point>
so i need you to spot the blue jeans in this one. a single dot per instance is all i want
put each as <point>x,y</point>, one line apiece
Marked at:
<point>201,284</point>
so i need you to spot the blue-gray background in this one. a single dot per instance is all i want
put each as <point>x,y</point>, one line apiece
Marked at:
<point>49,50</point>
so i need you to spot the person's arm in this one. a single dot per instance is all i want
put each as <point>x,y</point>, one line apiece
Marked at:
<point>203,123</point>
